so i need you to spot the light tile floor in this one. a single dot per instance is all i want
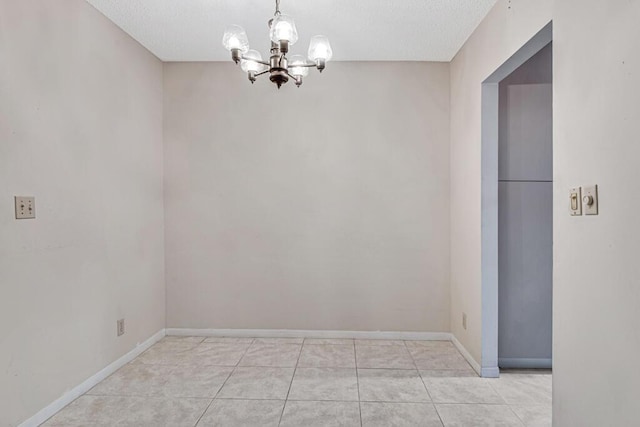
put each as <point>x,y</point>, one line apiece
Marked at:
<point>193,381</point>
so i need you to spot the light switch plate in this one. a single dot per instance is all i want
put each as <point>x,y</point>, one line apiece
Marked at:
<point>590,200</point>
<point>25,207</point>
<point>575,201</point>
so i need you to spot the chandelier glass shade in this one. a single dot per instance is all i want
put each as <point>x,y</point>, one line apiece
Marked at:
<point>252,62</point>
<point>280,68</point>
<point>235,38</point>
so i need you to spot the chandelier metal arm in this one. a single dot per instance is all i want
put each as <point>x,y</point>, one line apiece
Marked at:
<point>262,72</point>
<point>254,60</point>
<point>307,65</point>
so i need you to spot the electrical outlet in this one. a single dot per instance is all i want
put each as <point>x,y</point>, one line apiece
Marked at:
<point>120,327</point>
<point>25,207</point>
<point>464,320</point>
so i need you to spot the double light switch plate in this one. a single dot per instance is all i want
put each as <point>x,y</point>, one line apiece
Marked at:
<point>583,199</point>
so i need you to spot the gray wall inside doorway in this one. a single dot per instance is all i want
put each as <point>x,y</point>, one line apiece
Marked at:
<point>525,215</point>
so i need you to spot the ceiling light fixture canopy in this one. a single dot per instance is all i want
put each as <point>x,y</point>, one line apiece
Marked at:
<point>283,34</point>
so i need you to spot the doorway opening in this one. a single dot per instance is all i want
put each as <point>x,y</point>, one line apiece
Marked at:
<point>516,210</point>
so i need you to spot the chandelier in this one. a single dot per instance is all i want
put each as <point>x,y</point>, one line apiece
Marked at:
<point>283,34</point>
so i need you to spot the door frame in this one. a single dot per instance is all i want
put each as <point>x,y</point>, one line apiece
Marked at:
<point>489,263</point>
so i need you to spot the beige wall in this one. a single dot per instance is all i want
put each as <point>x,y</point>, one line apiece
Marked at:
<point>596,269</point>
<point>81,130</point>
<point>596,80</point>
<point>506,28</point>
<point>324,207</point>
<point>338,219</point>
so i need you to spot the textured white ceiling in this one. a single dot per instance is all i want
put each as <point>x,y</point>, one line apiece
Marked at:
<point>359,30</point>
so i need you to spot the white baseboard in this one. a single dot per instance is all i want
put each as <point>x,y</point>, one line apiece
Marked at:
<point>490,372</point>
<point>71,395</point>
<point>297,333</point>
<point>474,364</point>
<point>523,363</point>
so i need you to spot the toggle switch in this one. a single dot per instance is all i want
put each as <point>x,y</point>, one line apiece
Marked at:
<point>575,202</point>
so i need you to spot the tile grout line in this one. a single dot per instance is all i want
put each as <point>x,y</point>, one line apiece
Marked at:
<point>144,396</point>
<point>509,405</point>
<point>490,382</point>
<point>401,402</point>
<point>355,360</point>
<point>286,399</point>
<point>475,404</point>
<point>423,383</point>
<point>517,416</point>
<point>214,397</point>
<point>225,381</point>
<point>301,367</point>
<point>203,412</point>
